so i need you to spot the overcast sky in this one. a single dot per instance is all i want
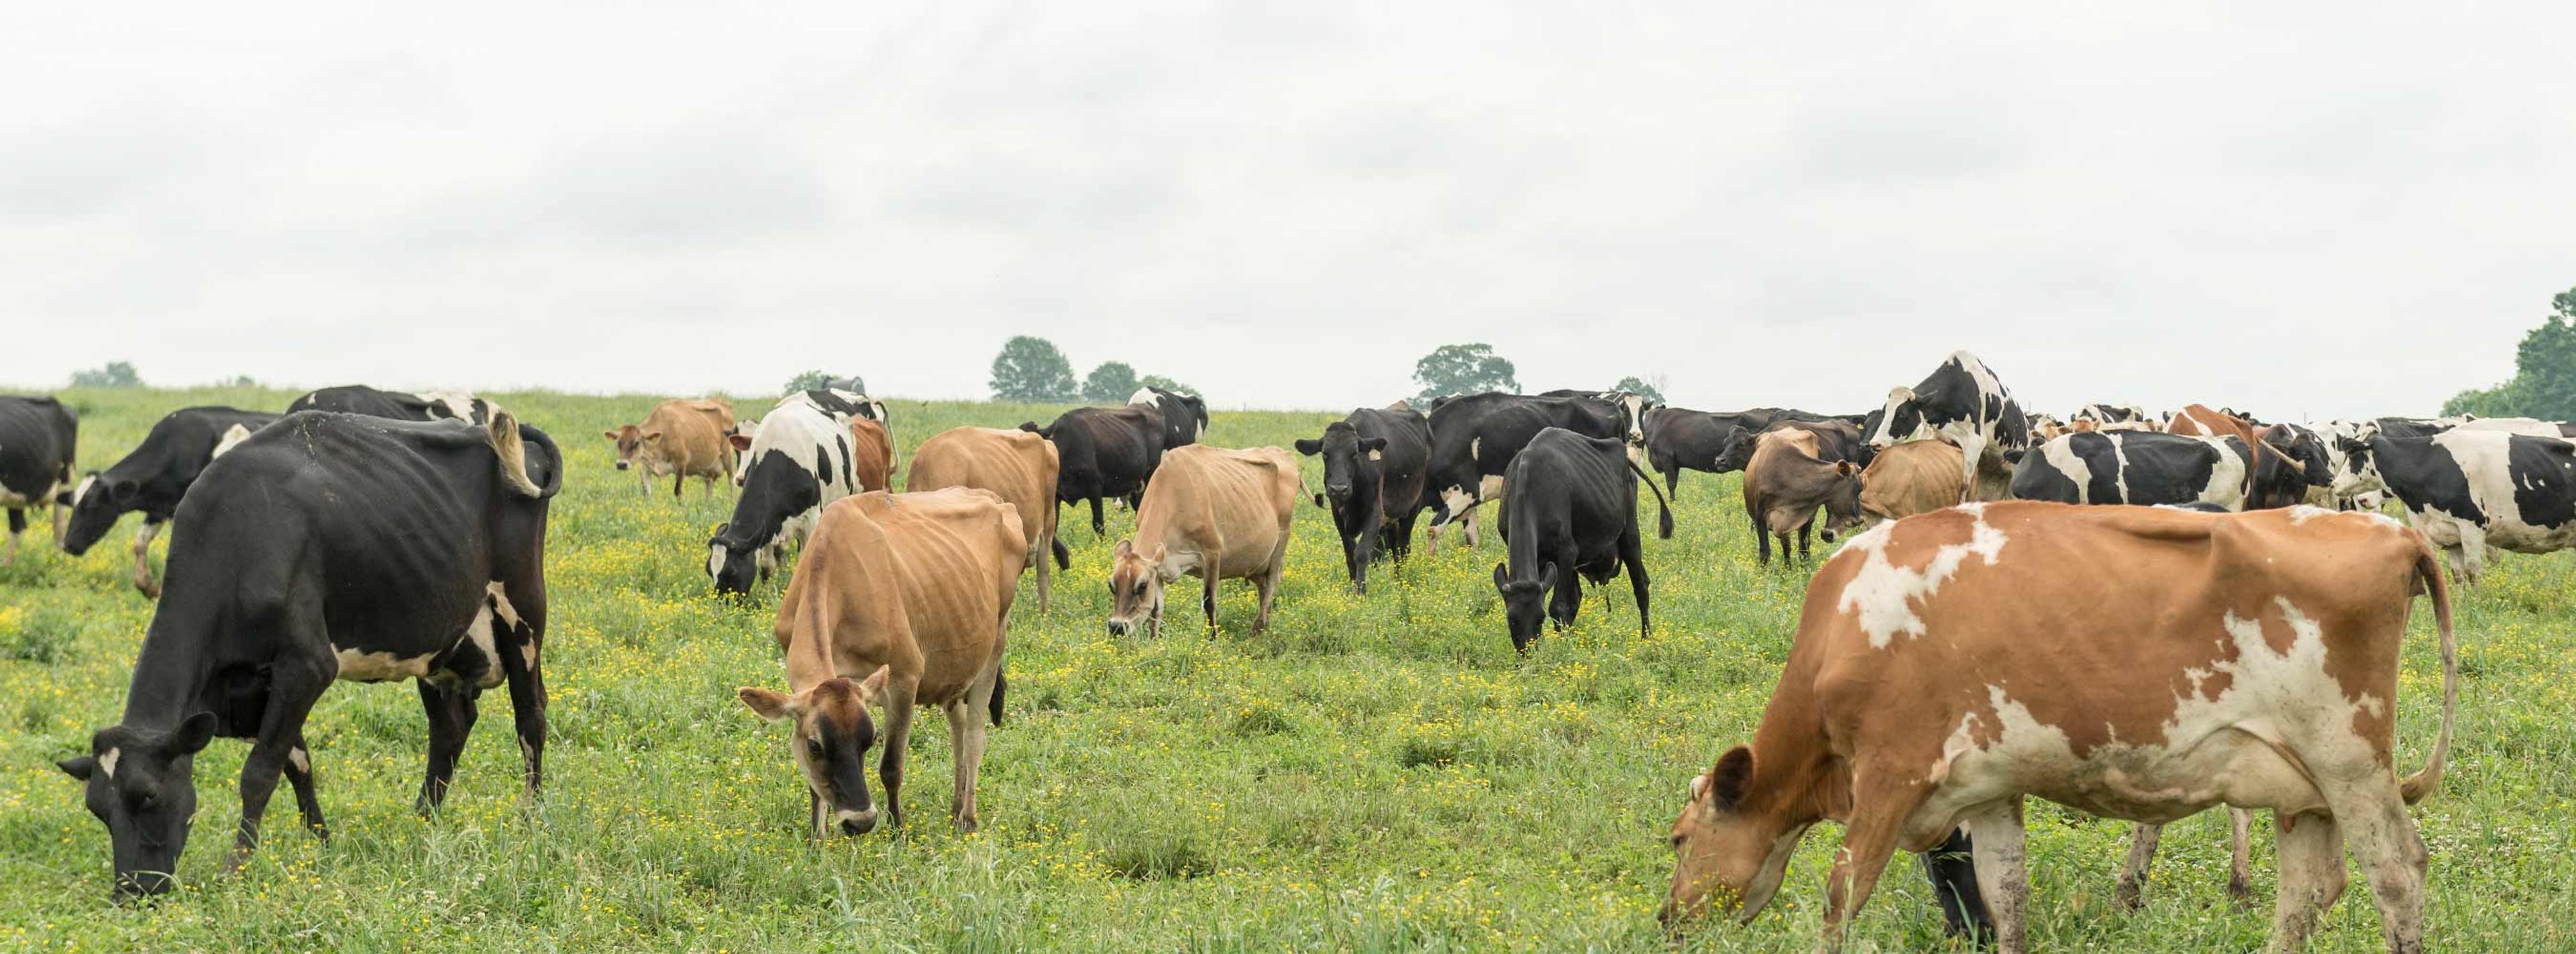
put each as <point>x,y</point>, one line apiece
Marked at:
<point>2302,210</point>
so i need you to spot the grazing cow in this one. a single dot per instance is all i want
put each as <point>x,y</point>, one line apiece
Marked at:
<point>153,478</point>
<point>794,463</point>
<point>1373,471</point>
<point>1185,416</point>
<point>2467,490</point>
<point>329,546</point>
<point>2110,417</point>
<point>1104,452</point>
<point>2246,659</point>
<point>399,405</point>
<point>1573,513</point>
<point>1473,438</point>
<point>1910,478</point>
<point>913,591</point>
<point>1213,513</point>
<point>38,437</point>
<point>2145,468</point>
<point>1961,401</point>
<point>679,440</point>
<point>1786,481</point>
<point>1835,440</point>
<point>1018,467</point>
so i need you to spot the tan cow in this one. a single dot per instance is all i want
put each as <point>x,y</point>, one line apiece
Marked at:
<point>871,455</point>
<point>1017,466</point>
<point>1784,483</point>
<point>2242,659</point>
<point>720,412</point>
<point>677,440</point>
<point>1910,478</point>
<point>914,590</point>
<point>1213,513</point>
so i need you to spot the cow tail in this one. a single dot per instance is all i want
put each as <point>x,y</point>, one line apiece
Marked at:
<point>1663,509</point>
<point>995,707</point>
<point>2420,784</point>
<point>1063,557</point>
<point>503,437</point>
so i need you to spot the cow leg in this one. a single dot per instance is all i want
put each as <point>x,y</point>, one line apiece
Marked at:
<point>2240,861</point>
<point>143,558</point>
<point>1038,557</point>
<point>644,482</point>
<point>1761,542</point>
<point>1951,867</point>
<point>898,698</point>
<point>2127,894</point>
<point>1998,834</point>
<point>2372,817</point>
<point>2310,850</point>
<point>522,663</point>
<point>299,775</point>
<point>1099,524</point>
<point>1632,553</point>
<point>17,524</point>
<point>1350,553</point>
<point>1868,841</point>
<point>2472,560</point>
<point>1972,446</point>
<point>678,480</point>
<point>1207,595</point>
<point>294,685</point>
<point>1267,587</point>
<point>451,721</point>
<point>1804,531</point>
<point>57,514</point>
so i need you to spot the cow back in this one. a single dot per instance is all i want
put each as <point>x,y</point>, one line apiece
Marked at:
<point>1231,506</point>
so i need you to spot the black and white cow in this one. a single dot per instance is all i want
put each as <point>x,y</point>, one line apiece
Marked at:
<point>153,477</point>
<point>1374,466</point>
<point>38,440</point>
<point>2466,490</point>
<point>2104,416</point>
<point>1631,408</point>
<point>329,547</point>
<point>1104,452</point>
<point>1185,416</point>
<point>794,462</point>
<point>1961,402</point>
<point>1836,440</point>
<point>1573,513</point>
<point>399,405</point>
<point>1474,438</point>
<point>2146,468</point>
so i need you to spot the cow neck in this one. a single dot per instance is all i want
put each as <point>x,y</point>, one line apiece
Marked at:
<point>809,653</point>
<point>169,673</point>
<point>1796,779</point>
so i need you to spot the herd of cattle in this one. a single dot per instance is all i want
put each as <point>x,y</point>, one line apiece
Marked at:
<point>2230,636</point>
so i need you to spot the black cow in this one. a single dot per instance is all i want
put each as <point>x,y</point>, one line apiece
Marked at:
<point>1963,402</point>
<point>2467,490</point>
<point>1631,408</point>
<point>1836,440</point>
<point>1185,416</point>
<point>399,405</point>
<point>795,460</point>
<point>1373,471</point>
<point>1573,511</point>
<point>38,438</point>
<point>2146,468</point>
<point>1680,438</point>
<point>1473,438</point>
<point>1104,452</point>
<point>329,546</point>
<point>153,477</point>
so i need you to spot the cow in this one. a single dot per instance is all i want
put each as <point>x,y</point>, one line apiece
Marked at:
<point>1018,467</point>
<point>1963,402</point>
<point>1473,438</point>
<point>325,547</point>
<point>153,477</point>
<point>2246,659</point>
<point>2045,427</point>
<point>1104,453</point>
<point>1373,472</point>
<point>1630,406</point>
<point>1185,416</point>
<point>1213,513</point>
<point>2467,490</point>
<point>2100,416</point>
<point>1678,438</point>
<point>901,600</point>
<point>2280,470</point>
<point>679,440</point>
<point>1835,440</point>
<point>794,463</point>
<point>1786,481</point>
<point>1573,514</point>
<point>847,405</point>
<point>1910,478</point>
<point>39,438</point>
<point>719,412</point>
<point>398,405</point>
<point>2145,468</point>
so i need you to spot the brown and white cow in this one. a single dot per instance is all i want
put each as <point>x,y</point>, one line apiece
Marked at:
<point>1213,513</point>
<point>678,440</point>
<point>900,600</point>
<point>1784,483</point>
<point>1910,478</point>
<point>2241,659</point>
<point>871,456</point>
<point>1017,466</point>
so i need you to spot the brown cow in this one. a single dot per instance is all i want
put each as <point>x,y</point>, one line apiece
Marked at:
<point>1017,466</point>
<point>678,440</point>
<point>1213,513</point>
<point>871,456</point>
<point>1785,482</point>
<point>720,412</point>
<point>1910,478</point>
<point>2242,659</point>
<point>915,591</point>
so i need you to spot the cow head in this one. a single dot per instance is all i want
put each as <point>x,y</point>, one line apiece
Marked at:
<point>2045,428</point>
<point>1135,586</point>
<point>1899,420</point>
<point>2359,473</point>
<point>1524,603</point>
<point>1842,502</point>
<point>634,445</point>
<point>830,737</point>
<point>1345,455</point>
<point>1736,452</point>
<point>140,784</point>
<point>1728,855</point>
<point>96,503</point>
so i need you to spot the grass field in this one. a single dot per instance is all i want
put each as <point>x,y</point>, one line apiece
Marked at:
<point>1377,773</point>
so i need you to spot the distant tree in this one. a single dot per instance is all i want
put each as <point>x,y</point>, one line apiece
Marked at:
<point>1463,369</point>
<point>115,374</point>
<point>1632,385</point>
<point>1030,369</point>
<point>2544,379</point>
<point>807,381</point>
<point>238,381</point>
<point>1167,384</point>
<point>1109,383</point>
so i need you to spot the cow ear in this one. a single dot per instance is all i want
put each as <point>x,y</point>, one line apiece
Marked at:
<point>652,435</point>
<point>1502,579</point>
<point>1160,550</point>
<point>872,687</point>
<point>1123,548</point>
<point>611,435</point>
<point>741,442</point>
<point>79,767</point>
<point>1844,467</point>
<point>192,734</point>
<point>766,703</point>
<point>1727,782</point>
<point>1309,446</point>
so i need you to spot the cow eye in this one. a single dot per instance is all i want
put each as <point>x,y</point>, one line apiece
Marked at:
<point>814,747</point>
<point>1677,842</point>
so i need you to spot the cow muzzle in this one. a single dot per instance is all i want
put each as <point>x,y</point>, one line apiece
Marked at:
<point>854,823</point>
<point>1338,491</point>
<point>621,465</point>
<point>1118,627</point>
